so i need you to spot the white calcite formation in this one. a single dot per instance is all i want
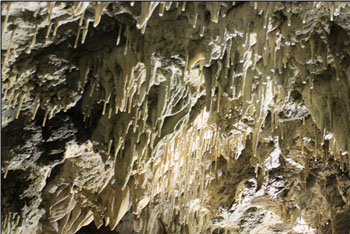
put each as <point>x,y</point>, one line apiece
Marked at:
<point>175,117</point>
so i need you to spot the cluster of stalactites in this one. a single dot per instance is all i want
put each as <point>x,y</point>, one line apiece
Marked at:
<point>184,167</point>
<point>15,94</point>
<point>264,54</point>
<point>10,221</point>
<point>270,45</point>
<point>129,125</point>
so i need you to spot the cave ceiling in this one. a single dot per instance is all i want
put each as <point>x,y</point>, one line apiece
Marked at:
<point>175,117</point>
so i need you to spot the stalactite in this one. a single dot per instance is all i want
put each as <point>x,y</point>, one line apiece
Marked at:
<point>49,11</point>
<point>16,95</point>
<point>109,146</point>
<point>34,36</point>
<point>4,23</point>
<point>168,5</point>
<point>218,100</point>
<point>214,8</point>
<point>110,111</point>
<point>127,35</point>
<point>100,6</point>
<point>331,10</point>
<point>57,24</point>
<point>147,9</point>
<point>85,31</point>
<point>9,46</point>
<point>119,34</point>
<point>45,117</point>
<point>183,8</point>
<point>161,8</point>
<point>81,18</point>
<point>22,96</point>
<point>6,171</point>
<point>77,37</point>
<point>202,31</point>
<point>80,8</point>
<point>312,47</point>
<point>52,112</point>
<point>48,31</point>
